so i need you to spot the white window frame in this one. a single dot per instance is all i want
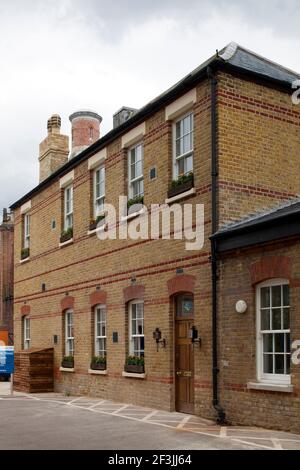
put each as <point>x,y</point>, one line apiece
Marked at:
<point>101,197</point>
<point>98,338</point>
<point>131,180</point>
<point>26,230</point>
<point>261,376</point>
<point>68,214</point>
<point>131,335</point>
<point>26,332</point>
<point>186,154</point>
<point>69,339</point>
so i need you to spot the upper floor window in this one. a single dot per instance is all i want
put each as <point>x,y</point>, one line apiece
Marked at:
<point>26,332</point>
<point>136,328</point>
<point>69,333</point>
<point>273,331</point>
<point>183,135</point>
<point>135,171</point>
<point>99,190</point>
<point>100,330</point>
<point>68,207</point>
<point>26,241</point>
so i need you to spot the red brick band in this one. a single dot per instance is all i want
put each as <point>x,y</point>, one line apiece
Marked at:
<point>270,267</point>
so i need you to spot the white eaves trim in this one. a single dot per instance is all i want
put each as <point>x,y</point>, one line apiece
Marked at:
<point>97,159</point>
<point>66,179</point>
<point>133,136</point>
<point>25,207</point>
<point>181,105</point>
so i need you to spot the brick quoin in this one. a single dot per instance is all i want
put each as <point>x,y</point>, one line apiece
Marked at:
<point>98,297</point>
<point>270,267</point>
<point>133,292</point>
<point>67,302</point>
<point>25,310</point>
<point>181,283</point>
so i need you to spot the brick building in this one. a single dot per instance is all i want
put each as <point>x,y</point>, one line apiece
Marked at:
<point>231,129</point>
<point>6,278</point>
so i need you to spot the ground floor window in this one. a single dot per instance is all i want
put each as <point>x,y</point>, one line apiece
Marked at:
<point>100,330</point>
<point>273,331</point>
<point>26,332</point>
<point>136,328</point>
<point>69,333</point>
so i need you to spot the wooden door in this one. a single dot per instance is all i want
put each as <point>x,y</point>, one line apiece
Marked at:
<point>184,355</point>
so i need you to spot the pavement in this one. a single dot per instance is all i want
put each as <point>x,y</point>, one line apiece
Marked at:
<point>54,421</point>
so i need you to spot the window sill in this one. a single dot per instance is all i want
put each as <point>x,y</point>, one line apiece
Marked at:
<point>97,372</point>
<point>96,230</point>
<point>67,369</point>
<point>24,260</point>
<point>133,376</point>
<point>271,387</point>
<point>124,218</point>
<point>180,196</point>
<point>68,242</point>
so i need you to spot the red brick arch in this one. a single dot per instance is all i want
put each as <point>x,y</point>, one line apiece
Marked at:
<point>67,302</point>
<point>270,267</point>
<point>25,310</point>
<point>181,283</point>
<point>98,297</point>
<point>133,292</point>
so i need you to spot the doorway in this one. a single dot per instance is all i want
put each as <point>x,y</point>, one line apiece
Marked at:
<point>184,354</point>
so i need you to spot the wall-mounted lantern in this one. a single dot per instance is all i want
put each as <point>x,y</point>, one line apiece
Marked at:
<point>193,335</point>
<point>241,306</point>
<point>157,337</point>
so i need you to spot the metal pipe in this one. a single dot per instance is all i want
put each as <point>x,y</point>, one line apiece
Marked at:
<point>214,226</point>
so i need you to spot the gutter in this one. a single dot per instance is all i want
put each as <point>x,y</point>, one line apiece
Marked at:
<point>214,225</point>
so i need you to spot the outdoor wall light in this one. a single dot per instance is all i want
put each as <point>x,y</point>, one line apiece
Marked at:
<point>157,337</point>
<point>241,306</point>
<point>193,335</point>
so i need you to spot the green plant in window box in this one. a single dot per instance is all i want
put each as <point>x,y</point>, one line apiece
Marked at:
<point>135,200</point>
<point>94,222</point>
<point>25,253</point>
<point>66,235</point>
<point>135,364</point>
<point>68,362</point>
<point>98,363</point>
<point>183,183</point>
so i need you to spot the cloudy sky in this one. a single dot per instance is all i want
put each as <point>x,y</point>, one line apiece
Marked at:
<point>57,56</point>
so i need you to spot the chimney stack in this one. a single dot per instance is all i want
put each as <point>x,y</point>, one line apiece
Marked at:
<point>85,130</point>
<point>54,149</point>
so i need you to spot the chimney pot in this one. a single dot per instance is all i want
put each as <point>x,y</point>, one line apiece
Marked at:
<point>54,124</point>
<point>85,130</point>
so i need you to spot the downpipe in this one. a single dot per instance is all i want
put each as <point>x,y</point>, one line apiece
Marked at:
<point>221,416</point>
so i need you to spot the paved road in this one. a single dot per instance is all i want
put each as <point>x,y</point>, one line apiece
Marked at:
<point>53,421</point>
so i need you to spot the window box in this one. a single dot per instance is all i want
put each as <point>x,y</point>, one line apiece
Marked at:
<point>68,362</point>
<point>134,201</point>
<point>98,363</point>
<point>94,223</point>
<point>134,369</point>
<point>182,184</point>
<point>135,365</point>
<point>25,252</point>
<point>66,235</point>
